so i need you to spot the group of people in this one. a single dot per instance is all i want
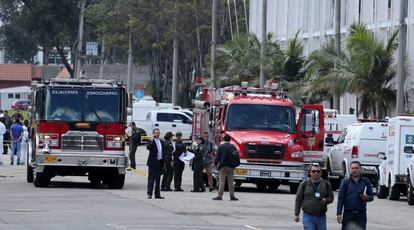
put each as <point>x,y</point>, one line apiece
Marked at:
<point>166,159</point>
<point>315,193</point>
<point>12,129</point>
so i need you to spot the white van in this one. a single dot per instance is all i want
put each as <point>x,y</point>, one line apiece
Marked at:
<point>393,171</point>
<point>358,142</point>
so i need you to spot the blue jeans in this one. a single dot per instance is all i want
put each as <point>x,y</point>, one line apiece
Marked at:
<point>15,148</point>
<point>311,222</point>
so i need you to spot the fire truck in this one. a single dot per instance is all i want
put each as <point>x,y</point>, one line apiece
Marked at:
<point>262,126</point>
<point>78,129</point>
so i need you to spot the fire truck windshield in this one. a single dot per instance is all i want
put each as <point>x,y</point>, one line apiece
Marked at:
<point>91,105</point>
<point>261,117</point>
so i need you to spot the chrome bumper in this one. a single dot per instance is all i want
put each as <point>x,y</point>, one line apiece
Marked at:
<point>109,161</point>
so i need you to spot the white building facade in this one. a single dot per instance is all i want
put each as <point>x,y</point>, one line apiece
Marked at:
<point>315,19</point>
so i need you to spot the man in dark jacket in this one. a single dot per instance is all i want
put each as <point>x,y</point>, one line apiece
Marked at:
<point>198,166</point>
<point>155,164</point>
<point>168,175</point>
<point>180,148</point>
<point>223,163</point>
<point>135,141</point>
<point>314,195</point>
<point>354,193</point>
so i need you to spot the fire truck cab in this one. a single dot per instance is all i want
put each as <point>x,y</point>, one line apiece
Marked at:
<point>262,126</point>
<point>78,129</point>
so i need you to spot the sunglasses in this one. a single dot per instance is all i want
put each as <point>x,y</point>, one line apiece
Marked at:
<point>316,171</point>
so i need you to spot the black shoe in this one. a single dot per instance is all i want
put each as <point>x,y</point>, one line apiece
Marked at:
<point>217,198</point>
<point>11,163</point>
<point>194,191</point>
<point>178,190</point>
<point>149,197</point>
<point>159,197</point>
<point>168,190</point>
<point>211,189</point>
<point>234,198</point>
<point>202,190</point>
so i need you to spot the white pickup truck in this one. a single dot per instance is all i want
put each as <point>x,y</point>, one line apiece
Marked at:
<point>396,170</point>
<point>166,120</point>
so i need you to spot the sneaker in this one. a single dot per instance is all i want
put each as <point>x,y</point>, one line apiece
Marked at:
<point>11,163</point>
<point>234,198</point>
<point>217,198</point>
<point>211,189</point>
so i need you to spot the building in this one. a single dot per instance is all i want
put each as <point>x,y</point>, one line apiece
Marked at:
<point>315,20</point>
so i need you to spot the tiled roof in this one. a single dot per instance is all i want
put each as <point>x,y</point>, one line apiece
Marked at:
<point>16,72</point>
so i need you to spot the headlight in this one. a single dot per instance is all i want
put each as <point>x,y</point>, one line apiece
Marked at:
<point>297,155</point>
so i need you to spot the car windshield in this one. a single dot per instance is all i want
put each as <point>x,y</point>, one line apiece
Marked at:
<point>261,117</point>
<point>92,105</point>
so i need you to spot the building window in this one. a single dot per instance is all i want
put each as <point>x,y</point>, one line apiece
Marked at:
<point>17,96</point>
<point>10,96</point>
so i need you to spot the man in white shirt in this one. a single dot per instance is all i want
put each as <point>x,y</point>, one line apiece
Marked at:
<point>2,132</point>
<point>155,163</point>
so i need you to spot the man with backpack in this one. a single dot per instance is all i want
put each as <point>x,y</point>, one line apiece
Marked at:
<point>313,196</point>
<point>225,160</point>
<point>354,193</point>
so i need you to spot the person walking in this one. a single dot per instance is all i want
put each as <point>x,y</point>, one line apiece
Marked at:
<point>354,193</point>
<point>2,132</point>
<point>155,163</point>
<point>313,196</point>
<point>198,166</point>
<point>223,163</point>
<point>208,160</point>
<point>16,136</point>
<point>6,137</point>
<point>180,148</point>
<point>169,164</point>
<point>134,142</point>
<point>25,142</point>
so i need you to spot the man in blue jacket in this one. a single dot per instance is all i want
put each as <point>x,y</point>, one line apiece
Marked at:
<point>354,193</point>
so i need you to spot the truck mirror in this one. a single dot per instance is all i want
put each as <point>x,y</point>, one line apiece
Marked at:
<point>315,130</point>
<point>382,156</point>
<point>408,149</point>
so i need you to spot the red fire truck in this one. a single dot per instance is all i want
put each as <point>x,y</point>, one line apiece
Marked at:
<point>78,129</point>
<point>262,126</point>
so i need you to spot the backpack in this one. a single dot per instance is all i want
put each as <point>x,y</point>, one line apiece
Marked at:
<point>234,159</point>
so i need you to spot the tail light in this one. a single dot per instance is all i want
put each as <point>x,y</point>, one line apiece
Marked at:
<point>354,153</point>
<point>52,139</point>
<point>115,141</point>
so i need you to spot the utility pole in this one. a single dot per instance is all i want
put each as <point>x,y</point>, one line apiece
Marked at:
<point>175,60</point>
<point>235,13</point>
<point>402,40</point>
<point>263,47</point>
<point>80,41</point>
<point>336,96</point>
<point>245,17</point>
<point>231,22</point>
<point>129,80</point>
<point>213,44</point>
<point>102,62</point>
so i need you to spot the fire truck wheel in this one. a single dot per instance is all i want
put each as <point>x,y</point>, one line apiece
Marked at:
<point>294,188</point>
<point>29,174</point>
<point>261,186</point>
<point>410,191</point>
<point>394,191</point>
<point>116,181</point>
<point>41,180</point>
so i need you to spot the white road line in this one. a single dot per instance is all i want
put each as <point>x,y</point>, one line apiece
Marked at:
<point>251,227</point>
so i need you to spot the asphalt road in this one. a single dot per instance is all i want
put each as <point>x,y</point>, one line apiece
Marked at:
<point>72,203</point>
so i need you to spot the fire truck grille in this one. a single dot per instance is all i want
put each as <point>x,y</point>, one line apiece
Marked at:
<point>78,141</point>
<point>264,151</point>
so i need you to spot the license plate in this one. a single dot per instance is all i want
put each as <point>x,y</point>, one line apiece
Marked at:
<point>114,144</point>
<point>50,159</point>
<point>265,173</point>
<point>241,172</point>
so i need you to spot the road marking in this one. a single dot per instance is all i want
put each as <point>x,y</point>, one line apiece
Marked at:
<point>138,172</point>
<point>4,175</point>
<point>251,227</point>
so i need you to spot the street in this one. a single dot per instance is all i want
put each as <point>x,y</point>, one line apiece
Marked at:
<point>73,203</point>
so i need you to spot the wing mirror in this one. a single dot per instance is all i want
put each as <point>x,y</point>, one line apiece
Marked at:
<point>315,130</point>
<point>382,156</point>
<point>408,149</point>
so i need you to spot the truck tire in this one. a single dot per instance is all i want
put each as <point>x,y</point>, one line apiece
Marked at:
<point>261,187</point>
<point>95,178</point>
<point>294,188</point>
<point>29,174</point>
<point>116,181</point>
<point>42,180</point>
<point>410,191</point>
<point>382,191</point>
<point>394,191</point>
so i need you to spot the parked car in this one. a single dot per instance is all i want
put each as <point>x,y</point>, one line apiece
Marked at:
<point>21,104</point>
<point>359,141</point>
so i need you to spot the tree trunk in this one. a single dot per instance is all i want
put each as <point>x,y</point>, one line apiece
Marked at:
<point>65,60</point>
<point>46,51</point>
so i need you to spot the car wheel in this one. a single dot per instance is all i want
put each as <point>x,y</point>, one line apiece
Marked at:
<point>42,180</point>
<point>294,188</point>
<point>29,174</point>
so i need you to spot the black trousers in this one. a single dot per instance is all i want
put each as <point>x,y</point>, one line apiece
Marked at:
<point>198,179</point>
<point>351,219</point>
<point>167,177</point>
<point>154,177</point>
<point>178,173</point>
<point>132,150</point>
